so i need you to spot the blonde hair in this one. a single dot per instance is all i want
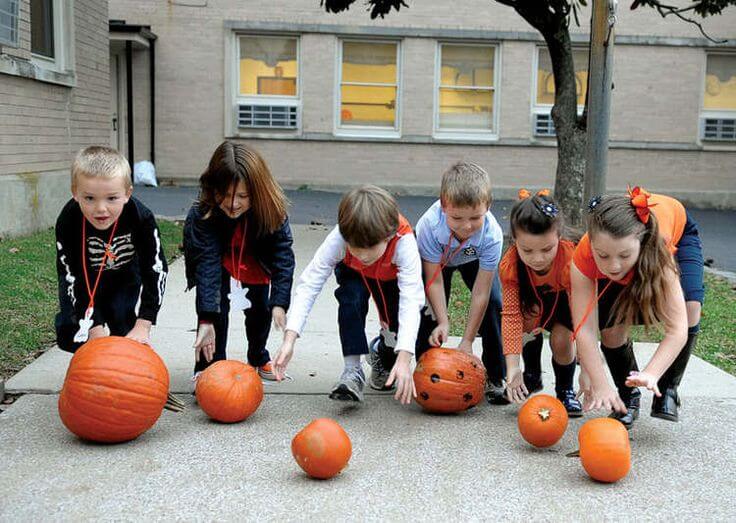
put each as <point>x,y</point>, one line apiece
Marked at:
<point>103,162</point>
<point>367,216</point>
<point>232,162</point>
<point>645,296</point>
<point>466,184</point>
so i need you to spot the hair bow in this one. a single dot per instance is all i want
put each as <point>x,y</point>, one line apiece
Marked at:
<point>524,193</point>
<point>640,201</point>
<point>593,203</point>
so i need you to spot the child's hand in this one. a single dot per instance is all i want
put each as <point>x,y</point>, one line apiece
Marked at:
<point>141,332</point>
<point>401,374</point>
<point>603,397</point>
<point>439,335</point>
<point>583,385</point>
<point>98,331</point>
<point>279,317</point>
<point>643,379</point>
<point>283,356</point>
<point>466,347</point>
<point>204,345</point>
<point>516,390</point>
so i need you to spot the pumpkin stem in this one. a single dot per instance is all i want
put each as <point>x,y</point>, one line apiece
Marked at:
<point>543,414</point>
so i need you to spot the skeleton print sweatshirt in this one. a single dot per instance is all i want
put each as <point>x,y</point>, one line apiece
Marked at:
<point>137,259</point>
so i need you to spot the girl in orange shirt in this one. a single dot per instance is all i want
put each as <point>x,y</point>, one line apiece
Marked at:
<point>535,278</point>
<point>641,262</point>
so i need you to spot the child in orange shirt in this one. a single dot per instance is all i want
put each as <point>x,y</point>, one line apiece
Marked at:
<point>641,262</point>
<point>535,277</point>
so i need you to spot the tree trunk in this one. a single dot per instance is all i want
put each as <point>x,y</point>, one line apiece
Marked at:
<point>571,130</point>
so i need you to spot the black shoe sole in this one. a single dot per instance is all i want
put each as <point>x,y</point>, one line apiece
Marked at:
<point>575,414</point>
<point>342,393</point>
<point>667,417</point>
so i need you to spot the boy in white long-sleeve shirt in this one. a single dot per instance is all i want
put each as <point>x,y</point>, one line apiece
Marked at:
<point>373,253</point>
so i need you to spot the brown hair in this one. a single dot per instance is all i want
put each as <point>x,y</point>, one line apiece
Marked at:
<point>466,184</point>
<point>645,296</point>
<point>232,162</point>
<point>105,162</point>
<point>367,216</point>
<point>535,214</point>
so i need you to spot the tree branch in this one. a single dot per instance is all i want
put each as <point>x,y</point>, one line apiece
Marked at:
<point>703,8</point>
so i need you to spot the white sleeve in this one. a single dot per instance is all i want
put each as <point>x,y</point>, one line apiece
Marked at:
<point>313,278</point>
<point>411,292</point>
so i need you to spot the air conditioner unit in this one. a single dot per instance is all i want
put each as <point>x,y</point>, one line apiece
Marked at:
<point>268,115</point>
<point>720,129</point>
<point>543,125</point>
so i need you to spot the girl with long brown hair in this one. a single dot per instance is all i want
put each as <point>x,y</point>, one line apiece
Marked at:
<point>238,253</point>
<point>640,262</point>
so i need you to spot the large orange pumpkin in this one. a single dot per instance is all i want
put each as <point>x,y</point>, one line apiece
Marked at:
<point>542,420</point>
<point>322,448</point>
<point>448,380</point>
<point>605,451</point>
<point>229,391</point>
<point>115,390</point>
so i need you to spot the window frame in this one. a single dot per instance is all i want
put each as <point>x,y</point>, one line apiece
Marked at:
<point>703,113</point>
<point>466,134</point>
<point>370,131</point>
<point>62,38</point>
<point>13,28</point>
<point>544,109</point>
<point>234,99</point>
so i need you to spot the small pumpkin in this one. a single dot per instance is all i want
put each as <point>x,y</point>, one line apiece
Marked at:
<point>229,391</point>
<point>605,451</point>
<point>449,380</point>
<point>542,420</point>
<point>114,390</point>
<point>322,449</point>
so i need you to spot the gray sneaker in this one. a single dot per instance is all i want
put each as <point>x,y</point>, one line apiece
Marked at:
<point>379,375</point>
<point>350,386</point>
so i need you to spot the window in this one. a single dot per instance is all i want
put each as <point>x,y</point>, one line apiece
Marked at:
<point>268,82</point>
<point>9,22</point>
<point>545,88</point>
<point>368,87</point>
<point>718,117</point>
<point>42,28</point>
<point>466,89</point>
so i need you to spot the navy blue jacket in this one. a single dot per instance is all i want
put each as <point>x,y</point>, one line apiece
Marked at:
<point>205,242</point>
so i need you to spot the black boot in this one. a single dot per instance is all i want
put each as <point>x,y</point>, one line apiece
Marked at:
<point>564,375</point>
<point>665,407</point>
<point>621,361</point>
<point>532,354</point>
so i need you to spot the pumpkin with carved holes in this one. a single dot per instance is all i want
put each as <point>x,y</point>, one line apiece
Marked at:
<point>322,449</point>
<point>448,380</point>
<point>605,451</point>
<point>542,420</point>
<point>115,389</point>
<point>229,391</point>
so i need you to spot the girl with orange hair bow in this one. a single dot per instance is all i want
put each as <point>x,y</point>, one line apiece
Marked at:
<point>535,277</point>
<point>640,262</point>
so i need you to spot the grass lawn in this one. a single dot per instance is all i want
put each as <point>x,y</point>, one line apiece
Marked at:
<point>716,343</point>
<point>29,295</point>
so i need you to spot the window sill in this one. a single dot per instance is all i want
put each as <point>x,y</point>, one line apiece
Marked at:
<point>25,69</point>
<point>464,137</point>
<point>385,134</point>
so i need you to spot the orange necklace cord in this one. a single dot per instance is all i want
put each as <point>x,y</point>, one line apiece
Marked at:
<point>108,254</point>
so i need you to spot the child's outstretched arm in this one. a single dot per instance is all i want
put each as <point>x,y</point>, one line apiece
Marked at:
<point>479,298</point>
<point>675,337</point>
<point>600,395</point>
<point>154,271</point>
<point>436,298</point>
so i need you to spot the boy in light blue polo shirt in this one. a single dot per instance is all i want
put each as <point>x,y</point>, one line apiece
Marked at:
<point>458,232</point>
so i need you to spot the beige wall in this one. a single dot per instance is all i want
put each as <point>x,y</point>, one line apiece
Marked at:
<point>654,119</point>
<point>42,125</point>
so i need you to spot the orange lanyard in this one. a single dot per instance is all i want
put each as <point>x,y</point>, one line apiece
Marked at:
<point>444,260</point>
<point>592,303</point>
<point>108,254</point>
<point>384,319</point>
<point>240,256</point>
<point>541,304</point>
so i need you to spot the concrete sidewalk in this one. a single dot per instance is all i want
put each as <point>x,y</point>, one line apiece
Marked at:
<point>406,465</point>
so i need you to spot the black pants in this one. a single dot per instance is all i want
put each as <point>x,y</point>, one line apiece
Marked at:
<point>114,307</point>
<point>490,328</point>
<point>257,325</point>
<point>352,299</point>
